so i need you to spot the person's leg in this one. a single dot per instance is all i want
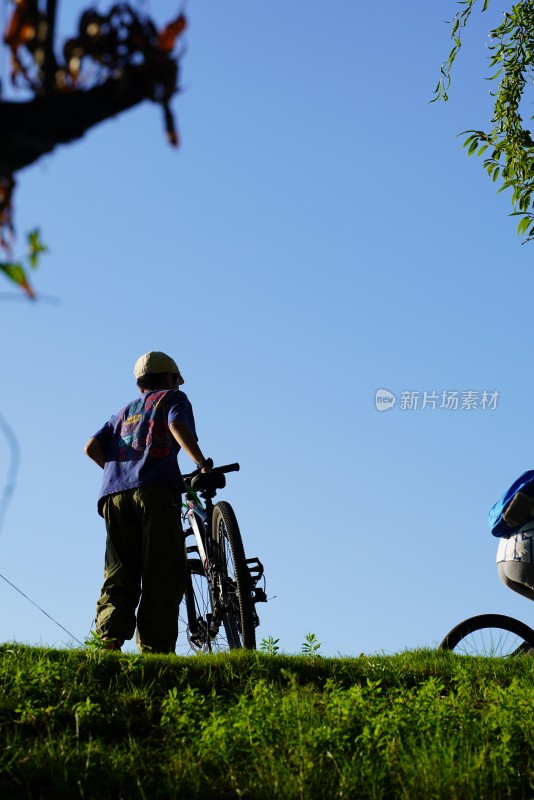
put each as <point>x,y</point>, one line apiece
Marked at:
<point>115,610</point>
<point>518,577</point>
<point>163,570</point>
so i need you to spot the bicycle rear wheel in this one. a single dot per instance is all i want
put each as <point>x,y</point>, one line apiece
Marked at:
<point>490,635</point>
<point>239,618</point>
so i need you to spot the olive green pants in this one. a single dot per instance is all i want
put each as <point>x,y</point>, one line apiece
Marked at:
<point>144,573</point>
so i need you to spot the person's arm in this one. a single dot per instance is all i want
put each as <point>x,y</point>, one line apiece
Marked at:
<point>95,451</point>
<point>187,441</point>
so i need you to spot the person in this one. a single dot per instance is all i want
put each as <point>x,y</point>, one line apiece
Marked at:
<point>140,500</point>
<point>515,558</point>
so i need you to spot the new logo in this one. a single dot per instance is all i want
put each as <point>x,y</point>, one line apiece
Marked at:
<point>384,400</point>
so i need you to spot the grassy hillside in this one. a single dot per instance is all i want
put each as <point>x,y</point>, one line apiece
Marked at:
<point>92,724</point>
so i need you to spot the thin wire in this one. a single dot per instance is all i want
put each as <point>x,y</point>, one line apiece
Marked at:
<point>8,492</point>
<point>72,636</point>
<point>41,298</point>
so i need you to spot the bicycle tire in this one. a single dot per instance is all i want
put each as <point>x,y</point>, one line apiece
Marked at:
<point>239,619</point>
<point>490,635</point>
<point>197,602</point>
<point>203,635</point>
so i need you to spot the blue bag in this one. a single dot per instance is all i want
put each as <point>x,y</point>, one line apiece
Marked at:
<point>521,493</point>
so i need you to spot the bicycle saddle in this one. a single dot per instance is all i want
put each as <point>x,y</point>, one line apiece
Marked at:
<point>208,480</point>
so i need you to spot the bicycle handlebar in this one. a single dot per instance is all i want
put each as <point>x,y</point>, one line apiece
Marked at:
<point>226,468</point>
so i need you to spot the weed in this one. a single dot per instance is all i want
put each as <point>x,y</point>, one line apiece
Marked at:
<point>95,641</point>
<point>311,646</point>
<point>269,645</point>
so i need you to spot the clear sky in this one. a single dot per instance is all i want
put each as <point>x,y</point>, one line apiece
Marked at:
<point>319,235</point>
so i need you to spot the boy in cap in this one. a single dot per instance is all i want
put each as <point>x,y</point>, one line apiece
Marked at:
<point>140,502</point>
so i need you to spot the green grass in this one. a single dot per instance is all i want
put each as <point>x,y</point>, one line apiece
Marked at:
<point>93,724</point>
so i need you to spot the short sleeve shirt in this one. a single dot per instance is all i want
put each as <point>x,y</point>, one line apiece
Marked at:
<point>138,445</point>
<point>519,546</point>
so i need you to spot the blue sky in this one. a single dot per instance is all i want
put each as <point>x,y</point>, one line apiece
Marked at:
<point>319,235</point>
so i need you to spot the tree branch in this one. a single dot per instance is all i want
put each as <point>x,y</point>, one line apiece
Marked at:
<point>30,130</point>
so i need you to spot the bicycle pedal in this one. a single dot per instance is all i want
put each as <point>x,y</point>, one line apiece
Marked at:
<point>258,596</point>
<point>255,568</point>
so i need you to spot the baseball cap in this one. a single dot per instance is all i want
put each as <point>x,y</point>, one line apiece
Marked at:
<point>156,361</point>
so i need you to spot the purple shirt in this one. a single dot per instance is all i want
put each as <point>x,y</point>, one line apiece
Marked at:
<point>138,445</point>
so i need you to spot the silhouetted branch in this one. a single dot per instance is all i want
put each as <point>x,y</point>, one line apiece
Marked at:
<point>30,130</point>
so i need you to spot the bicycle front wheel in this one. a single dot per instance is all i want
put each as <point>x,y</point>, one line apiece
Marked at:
<point>198,605</point>
<point>202,613</point>
<point>238,618</point>
<point>490,635</point>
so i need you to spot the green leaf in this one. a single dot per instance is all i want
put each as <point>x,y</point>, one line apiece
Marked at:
<point>506,185</point>
<point>523,225</point>
<point>17,274</point>
<point>473,147</point>
<point>35,247</point>
<point>470,139</point>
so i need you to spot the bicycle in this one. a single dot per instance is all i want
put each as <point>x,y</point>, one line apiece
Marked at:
<point>493,635</point>
<point>221,583</point>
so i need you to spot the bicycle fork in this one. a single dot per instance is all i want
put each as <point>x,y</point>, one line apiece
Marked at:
<point>191,515</point>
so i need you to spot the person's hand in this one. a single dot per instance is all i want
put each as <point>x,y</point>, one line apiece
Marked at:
<point>206,465</point>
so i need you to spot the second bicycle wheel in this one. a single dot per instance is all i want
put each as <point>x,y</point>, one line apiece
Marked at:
<point>197,607</point>
<point>490,635</point>
<point>201,613</point>
<point>239,619</point>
